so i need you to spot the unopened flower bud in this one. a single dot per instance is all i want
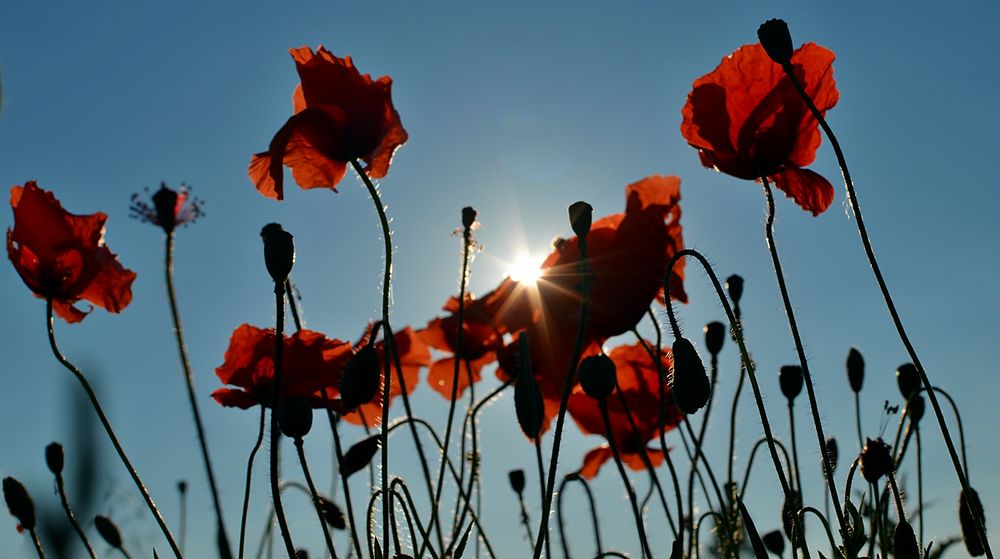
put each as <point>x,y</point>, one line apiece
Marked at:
<point>295,417</point>
<point>774,541</point>
<point>689,384</point>
<point>468,217</point>
<point>332,514</point>
<point>734,285</point>
<point>832,453</point>
<point>528,404</point>
<point>516,478</point>
<point>109,531</point>
<point>581,215</point>
<point>791,522</point>
<point>876,460</point>
<point>54,458</point>
<point>598,376</point>
<point>715,334</point>
<point>361,379</point>
<point>855,369</point>
<point>279,251</point>
<point>19,503</point>
<point>359,455</point>
<point>970,527</point>
<point>182,487</point>
<point>790,378</point>
<point>776,40</point>
<point>904,542</point>
<point>915,408</point>
<point>908,379</point>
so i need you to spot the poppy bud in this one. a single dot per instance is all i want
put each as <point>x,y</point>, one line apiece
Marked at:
<point>598,376</point>
<point>528,405</point>
<point>915,408</point>
<point>54,458</point>
<point>790,517</point>
<point>832,453</point>
<point>790,378</point>
<point>581,214</point>
<point>359,455</point>
<point>776,40</point>
<point>468,217</point>
<point>970,527</point>
<point>774,542</point>
<point>876,460</point>
<point>165,206</point>
<point>19,503</point>
<point>182,487</point>
<point>904,542</point>
<point>855,369</point>
<point>715,334</point>
<point>734,285</point>
<point>908,379</point>
<point>109,531</point>
<point>516,478</point>
<point>332,514</point>
<point>361,379</point>
<point>690,385</point>
<point>295,417</point>
<point>279,251</point>
<point>301,554</point>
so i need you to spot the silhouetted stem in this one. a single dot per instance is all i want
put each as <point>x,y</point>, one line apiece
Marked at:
<point>37,542</point>
<point>697,529</point>
<point>593,513</point>
<point>246,489</point>
<point>753,454</point>
<point>920,489</point>
<point>279,350</point>
<point>395,487</point>
<point>60,486</point>
<point>344,484</point>
<point>801,515</point>
<point>639,524</point>
<point>541,481</point>
<point>857,419</point>
<point>107,428</point>
<point>315,496</point>
<point>293,304</point>
<point>958,420</point>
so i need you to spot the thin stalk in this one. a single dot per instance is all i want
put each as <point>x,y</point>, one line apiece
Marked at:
<point>541,481</point>
<point>61,487</point>
<point>279,350</point>
<point>395,486</point>
<point>334,423</point>
<point>293,303</point>
<point>753,454</point>
<point>640,527</point>
<point>900,511</point>
<point>593,513</point>
<point>183,515</point>
<point>829,534</point>
<point>299,448</point>
<point>736,400</point>
<point>857,419</point>
<point>697,529</point>
<point>958,420</point>
<point>107,427</point>
<point>920,489</point>
<point>246,489</point>
<point>699,455</point>
<point>852,197</point>
<point>37,542</point>
<point>526,521</point>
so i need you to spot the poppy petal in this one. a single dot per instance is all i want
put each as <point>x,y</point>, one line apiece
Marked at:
<point>111,289</point>
<point>809,189</point>
<point>593,461</point>
<point>233,398</point>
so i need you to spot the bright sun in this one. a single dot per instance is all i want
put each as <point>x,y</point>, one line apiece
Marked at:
<point>526,269</point>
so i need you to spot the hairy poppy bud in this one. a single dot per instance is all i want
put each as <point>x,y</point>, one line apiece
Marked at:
<point>359,455</point>
<point>876,460</point>
<point>598,376</point>
<point>832,453</point>
<point>528,405</point>
<point>108,530</point>
<point>774,541</point>
<point>295,417</point>
<point>915,408</point>
<point>734,285</point>
<point>908,379</point>
<point>855,369</point>
<point>54,458</point>
<point>904,542</point>
<point>361,379</point>
<point>516,478</point>
<point>332,514</point>
<point>581,214</point>
<point>970,527</point>
<point>776,40</point>
<point>790,517</point>
<point>468,217</point>
<point>790,378</point>
<point>19,503</point>
<point>715,334</point>
<point>690,384</point>
<point>279,251</point>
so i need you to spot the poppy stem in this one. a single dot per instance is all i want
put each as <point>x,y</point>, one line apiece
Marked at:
<point>293,303</point>
<point>753,454</point>
<point>526,521</point>
<point>107,427</point>
<point>279,350</point>
<point>609,435</point>
<point>300,450</point>
<point>593,513</point>
<point>387,382</point>
<point>249,476</point>
<point>541,480</point>
<point>37,542</point>
<point>334,424</point>
<point>958,420</point>
<point>800,351</point>
<point>852,197</point>
<point>61,488</point>
<point>223,537</point>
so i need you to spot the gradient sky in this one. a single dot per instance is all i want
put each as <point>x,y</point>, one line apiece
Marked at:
<point>516,108</point>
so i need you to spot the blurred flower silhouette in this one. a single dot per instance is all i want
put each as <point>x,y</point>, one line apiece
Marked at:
<point>413,356</point>
<point>62,256</point>
<point>340,115</point>
<point>639,385</point>
<point>747,120</point>
<point>169,208</point>
<point>312,365</point>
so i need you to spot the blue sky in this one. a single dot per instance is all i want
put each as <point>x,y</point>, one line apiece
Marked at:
<point>518,109</point>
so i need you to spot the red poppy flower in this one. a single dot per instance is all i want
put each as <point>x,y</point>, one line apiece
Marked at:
<point>340,115</point>
<point>747,120</point>
<point>62,256</point>
<point>311,368</point>
<point>639,385</point>
<point>413,356</point>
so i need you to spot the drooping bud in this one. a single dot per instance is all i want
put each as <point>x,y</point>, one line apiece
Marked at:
<point>598,376</point>
<point>108,530</point>
<point>904,542</point>
<point>516,478</point>
<point>295,417</point>
<point>734,285</point>
<point>908,379</point>
<point>581,215</point>
<point>970,527</point>
<point>361,379</point>
<point>715,334</point>
<point>832,453</point>
<point>528,404</point>
<point>689,383</point>
<point>468,217</point>
<point>279,251</point>
<point>791,522</point>
<point>790,378</point>
<point>332,514</point>
<point>776,40</point>
<point>915,408</point>
<point>876,460</point>
<point>359,455</point>
<point>19,503</point>
<point>54,458</point>
<point>774,541</point>
<point>855,369</point>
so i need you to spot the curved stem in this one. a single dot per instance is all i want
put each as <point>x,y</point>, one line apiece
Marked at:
<point>829,534</point>
<point>107,428</point>
<point>958,420</point>
<point>334,423</point>
<point>609,435</point>
<point>852,197</point>
<point>279,350</point>
<point>395,486</point>
<point>736,400</point>
<point>61,488</point>
<point>753,454</point>
<point>246,489</point>
<point>900,511</point>
<point>697,529</point>
<point>300,450</point>
<point>850,479</point>
<point>593,513</point>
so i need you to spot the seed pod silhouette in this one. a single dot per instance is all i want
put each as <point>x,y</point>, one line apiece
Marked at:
<point>776,40</point>
<point>790,379</point>
<point>516,478</point>
<point>855,369</point>
<point>361,379</point>
<point>908,380</point>
<point>598,376</point>
<point>54,458</point>
<point>715,335</point>
<point>295,417</point>
<point>581,215</point>
<point>279,251</point>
